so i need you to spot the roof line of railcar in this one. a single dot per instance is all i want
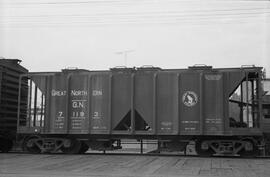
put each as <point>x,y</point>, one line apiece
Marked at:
<point>243,68</point>
<point>190,68</point>
<point>135,69</point>
<point>216,69</point>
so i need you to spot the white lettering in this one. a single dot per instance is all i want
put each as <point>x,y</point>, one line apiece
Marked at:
<point>77,104</point>
<point>97,92</point>
<point>78,93</point>
<point>58,92</point>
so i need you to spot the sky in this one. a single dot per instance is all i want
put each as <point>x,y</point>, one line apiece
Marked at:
<point>49,35</point>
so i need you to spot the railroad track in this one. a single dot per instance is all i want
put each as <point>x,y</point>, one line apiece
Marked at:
<point>163,154</point>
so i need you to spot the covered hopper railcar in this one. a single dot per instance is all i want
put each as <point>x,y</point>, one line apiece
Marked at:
<point>219,109</point>
<point>10,70</point>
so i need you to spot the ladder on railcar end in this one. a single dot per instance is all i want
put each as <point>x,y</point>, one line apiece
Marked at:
<point>31,105</point>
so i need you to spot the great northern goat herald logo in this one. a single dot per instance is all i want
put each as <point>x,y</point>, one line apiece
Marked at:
<point>190,98</point>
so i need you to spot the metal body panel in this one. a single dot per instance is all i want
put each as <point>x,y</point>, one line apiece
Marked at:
<point>234,78</point>
<point>191,103</point>
<point>213,104</point>
<point>78,112</point>
<point>144,102</point>
<point>266,106</point>
<point>58,104</point>
<point>100,103</point>
<point>167,103</point>
<point>122,122</point>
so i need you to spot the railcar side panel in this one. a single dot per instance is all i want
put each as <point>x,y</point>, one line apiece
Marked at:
<point>58,104</point>
<point>144,106</point>
<point>78,113</point>
<point>191,115</point>
<point>167,103</point>
<point>100,99</point>
<point>213,104</point>
<point>122,114</point>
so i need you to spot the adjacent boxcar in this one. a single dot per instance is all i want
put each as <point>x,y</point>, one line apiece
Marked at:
<point>220,109</point>
<point>10,69</point>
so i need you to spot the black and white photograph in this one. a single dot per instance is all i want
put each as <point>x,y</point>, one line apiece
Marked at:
<point>134,88</point>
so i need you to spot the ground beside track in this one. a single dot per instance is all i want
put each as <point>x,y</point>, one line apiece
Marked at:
<point>46,165</point>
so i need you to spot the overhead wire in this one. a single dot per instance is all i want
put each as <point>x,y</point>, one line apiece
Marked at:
<point>132,15</point>
<point>35,2</point>
<point>152,12</point>
<point>135,17</point>
<point>21,4</point>
<point>135,22</point>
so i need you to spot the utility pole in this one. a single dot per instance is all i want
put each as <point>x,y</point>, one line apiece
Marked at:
<point>124,53</point>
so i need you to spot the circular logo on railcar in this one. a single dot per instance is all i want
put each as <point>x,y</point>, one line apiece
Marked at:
<point>190,98</point>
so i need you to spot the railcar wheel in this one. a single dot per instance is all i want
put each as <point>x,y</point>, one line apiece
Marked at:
<point>203,149</point>
<point>30,145</point>
<point>74,147</point>
<point>84,148</point>
<point>250,149</point>
<point>5,145</point>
